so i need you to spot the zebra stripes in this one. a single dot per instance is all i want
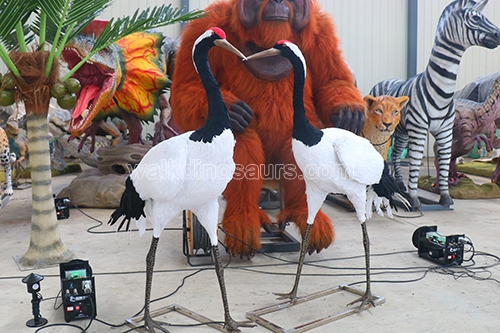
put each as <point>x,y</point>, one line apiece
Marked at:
<point>431,108</point>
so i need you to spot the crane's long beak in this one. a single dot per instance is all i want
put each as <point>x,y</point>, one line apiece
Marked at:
<point>228,46</point>
<point>263,54</point>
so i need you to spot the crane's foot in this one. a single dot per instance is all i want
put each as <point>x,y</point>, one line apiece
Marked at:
<point>366,299</point>
<point>151,325</point>
<point>292,296</point>
<point>232,325</point>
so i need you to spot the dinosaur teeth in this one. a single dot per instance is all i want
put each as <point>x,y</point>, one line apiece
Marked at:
<point>85,113</point>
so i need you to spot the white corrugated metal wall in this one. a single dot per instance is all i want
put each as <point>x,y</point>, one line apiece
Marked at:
<point>373,35</point>
<point>366,51</point>
<point>476,61</point>
<point>122,8</point>
<point>199,4</point>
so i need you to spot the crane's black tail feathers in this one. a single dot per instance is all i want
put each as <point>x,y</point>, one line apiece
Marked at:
<point>131,206</point>
<point>387,187</point>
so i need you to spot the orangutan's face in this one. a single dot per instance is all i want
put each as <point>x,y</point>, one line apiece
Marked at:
<point>252,12</point>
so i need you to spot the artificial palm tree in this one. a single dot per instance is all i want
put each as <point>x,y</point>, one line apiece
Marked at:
<point>33,34</point>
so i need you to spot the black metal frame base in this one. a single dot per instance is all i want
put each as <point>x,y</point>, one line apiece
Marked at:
<point>36,323</point>
<point>278,241</point>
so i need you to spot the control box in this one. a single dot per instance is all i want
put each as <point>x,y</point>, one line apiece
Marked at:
<point>62,208</point>
<point>78,290</point>
<point>443,250</point>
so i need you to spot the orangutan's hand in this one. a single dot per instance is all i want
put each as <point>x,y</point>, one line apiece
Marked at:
<point>349,117</point>
<point>241,115</point>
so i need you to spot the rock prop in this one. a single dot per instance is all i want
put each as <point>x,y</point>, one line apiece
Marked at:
<point>94,189</point>
<point>120,159</point>
<point>102,187</point>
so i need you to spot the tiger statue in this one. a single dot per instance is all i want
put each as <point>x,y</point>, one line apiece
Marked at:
<point>5,160</point>
<point>382,115</point>
<point>18,146</point>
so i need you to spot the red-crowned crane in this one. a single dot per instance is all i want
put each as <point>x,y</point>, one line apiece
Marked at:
<point>333,160</point>
<point>188,171</point>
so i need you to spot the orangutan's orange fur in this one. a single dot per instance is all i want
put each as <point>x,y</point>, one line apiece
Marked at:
<point>381,118</point>
<point>267,140</point>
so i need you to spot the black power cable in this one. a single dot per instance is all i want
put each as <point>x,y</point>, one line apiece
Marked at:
<point>470,270</point>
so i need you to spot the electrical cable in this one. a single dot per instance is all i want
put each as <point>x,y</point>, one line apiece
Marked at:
<point>471,270</point>
<point>100,223</point>
<point>455,270</point>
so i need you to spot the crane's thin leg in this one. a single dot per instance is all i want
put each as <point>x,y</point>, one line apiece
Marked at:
<point>230,324</point>
<point>292,295</point>
<point>367,298</point>
<point>149,323</point>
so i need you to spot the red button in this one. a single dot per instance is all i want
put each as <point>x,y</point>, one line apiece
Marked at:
<point>77,308</point>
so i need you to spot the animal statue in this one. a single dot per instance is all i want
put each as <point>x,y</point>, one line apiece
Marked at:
<point>5,113</point>
<point>475,122</point>
<point>19,146</point>
<point>382,115</point>
<point>259,95</point>
<point>5,160</point>
<point>188,171</point>
<point>334,160</point>
<point>126,80</point>
<point>431,108</point>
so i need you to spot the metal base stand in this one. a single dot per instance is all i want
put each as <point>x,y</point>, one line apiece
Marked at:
<point>426,204</point>
<point>36,322</point>
<point>4,200</point>
<point>195,238</point>
<point>278,241</point>
<point>271,199</point>
<point>341,200</point>
<point>431,205</point>
<point>134,322</point>
<point>23,186</point>
<point>256,315</point>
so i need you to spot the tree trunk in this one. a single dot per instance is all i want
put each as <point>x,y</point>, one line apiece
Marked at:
<point>46,247</point>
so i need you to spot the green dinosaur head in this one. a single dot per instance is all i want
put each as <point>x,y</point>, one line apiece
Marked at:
<point>99,77</point>
<point>128,76</point>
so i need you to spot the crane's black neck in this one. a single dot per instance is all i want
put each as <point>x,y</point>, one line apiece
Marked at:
<point>217,117</point>
<point>303,130</point>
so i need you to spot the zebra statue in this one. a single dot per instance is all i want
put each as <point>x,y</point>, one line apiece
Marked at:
<point>431,108</point>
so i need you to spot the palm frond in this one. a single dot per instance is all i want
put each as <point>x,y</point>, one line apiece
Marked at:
<point>12,12</point>
<point>50,29</point>
<point>69,17</point>
<point>144,20</point>
<point>12,43</point>
<point>140,21</point>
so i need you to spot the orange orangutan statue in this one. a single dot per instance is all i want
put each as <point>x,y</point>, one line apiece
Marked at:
<point>258,94</point>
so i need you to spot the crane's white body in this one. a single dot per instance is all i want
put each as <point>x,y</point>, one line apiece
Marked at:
<point>333,160</point>
<point>342,162</point>
<point>180,174</point>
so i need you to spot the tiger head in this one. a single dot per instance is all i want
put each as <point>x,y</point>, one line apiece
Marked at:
<point>12,128</point>
<point>383,113</point>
